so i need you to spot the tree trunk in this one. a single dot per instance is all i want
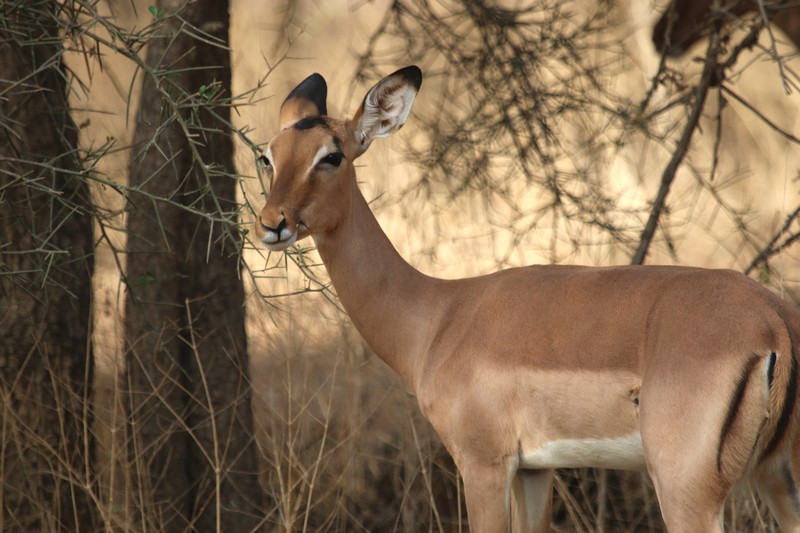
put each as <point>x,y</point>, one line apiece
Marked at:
<point>45,284</point>
<point>186,344</point>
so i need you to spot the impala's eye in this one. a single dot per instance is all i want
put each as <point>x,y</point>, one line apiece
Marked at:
<point>264,169</point>
<point>263,162</point>
<point>333,159</point>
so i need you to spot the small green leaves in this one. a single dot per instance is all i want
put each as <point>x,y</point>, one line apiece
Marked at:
<point>145,280</point>
<point>207,92</point>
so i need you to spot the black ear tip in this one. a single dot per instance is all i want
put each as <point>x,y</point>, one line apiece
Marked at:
<point>312,88</point>
<point>312,84</point>
<point>316,79</point>
<point>412,74</point>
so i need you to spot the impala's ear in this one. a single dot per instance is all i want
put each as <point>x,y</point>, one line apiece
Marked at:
<point>306,100</point>
<point>386,107</point>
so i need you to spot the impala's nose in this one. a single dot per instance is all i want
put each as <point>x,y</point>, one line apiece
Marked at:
<point>278,237</point>
<point>277,230</point>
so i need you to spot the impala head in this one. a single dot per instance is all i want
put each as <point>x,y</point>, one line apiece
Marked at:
<point>309,163</point>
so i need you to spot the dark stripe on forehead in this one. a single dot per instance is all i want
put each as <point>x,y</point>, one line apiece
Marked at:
<point>310,122</point>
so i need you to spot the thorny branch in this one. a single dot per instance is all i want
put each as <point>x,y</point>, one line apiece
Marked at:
<point>713,75</point>
<point>528,125</point>
<point>772,246</point>
<point>707,77</point>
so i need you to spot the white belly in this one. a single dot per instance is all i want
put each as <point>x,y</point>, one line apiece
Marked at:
<point>624,453</point>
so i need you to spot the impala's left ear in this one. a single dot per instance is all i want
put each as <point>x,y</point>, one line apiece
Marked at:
<point>305,100</point>
<point>386,107</point>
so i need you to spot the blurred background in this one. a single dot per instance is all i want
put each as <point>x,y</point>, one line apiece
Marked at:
<point>544,132</point>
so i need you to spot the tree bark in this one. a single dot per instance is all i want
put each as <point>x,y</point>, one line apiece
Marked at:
<point>45,284</point>
<point>186,344</point>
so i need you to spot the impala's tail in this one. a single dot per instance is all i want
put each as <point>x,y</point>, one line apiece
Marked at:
<point>782,399</point>
<point>761,410</point>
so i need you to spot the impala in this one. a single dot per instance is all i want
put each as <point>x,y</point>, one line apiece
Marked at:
<point>686,372</point>
<point>686,21</point>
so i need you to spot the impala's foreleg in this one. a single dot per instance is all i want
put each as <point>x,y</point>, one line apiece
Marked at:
<point>487,490</point>
<point>502,498</point>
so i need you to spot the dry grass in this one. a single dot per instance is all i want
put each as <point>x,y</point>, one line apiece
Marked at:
<point>343,448</point>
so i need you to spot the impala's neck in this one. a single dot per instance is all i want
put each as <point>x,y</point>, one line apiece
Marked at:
<point>388,300</point>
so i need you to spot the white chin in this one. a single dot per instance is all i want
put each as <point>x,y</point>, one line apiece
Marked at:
<point>280,245</point>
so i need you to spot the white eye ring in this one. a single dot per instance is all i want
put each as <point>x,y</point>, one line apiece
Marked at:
<point>264,166</point>
<point>263,159</point>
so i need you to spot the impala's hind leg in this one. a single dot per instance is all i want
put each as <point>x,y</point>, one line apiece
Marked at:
<point>688,503</point>
<point>777,482</point>
<point>687,506</point>
<point>698,446</point>
<point>532,501</point>
<point>680,453</point>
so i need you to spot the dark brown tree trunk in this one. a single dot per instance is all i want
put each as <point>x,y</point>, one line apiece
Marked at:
<point>186,344</point>
<point>45,284</point>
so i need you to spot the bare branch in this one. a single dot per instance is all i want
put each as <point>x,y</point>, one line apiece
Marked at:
<point>771,249</point>
<point>710,71</point>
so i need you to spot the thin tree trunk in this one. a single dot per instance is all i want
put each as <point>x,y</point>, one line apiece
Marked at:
<point>45,285</point>
<point>186,344</point>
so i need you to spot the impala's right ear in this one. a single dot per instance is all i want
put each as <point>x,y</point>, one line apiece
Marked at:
<point>305,100</point>
<point>385,108</point>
